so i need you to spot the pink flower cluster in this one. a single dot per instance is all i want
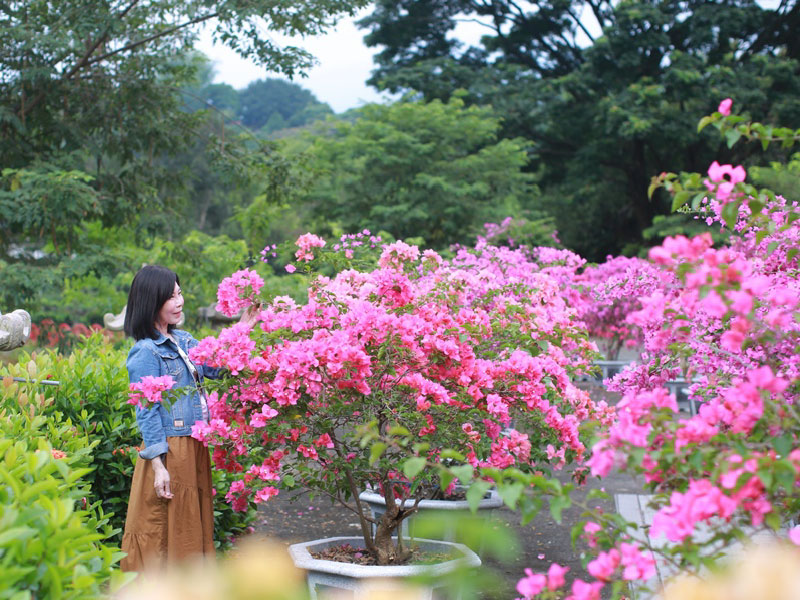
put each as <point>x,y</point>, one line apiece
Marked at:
<point>608,294</point>
<point>636,564</point>
<point>238,291</point>
<point>723,178</point>
<point>149,390</point>
<point>305,243</point>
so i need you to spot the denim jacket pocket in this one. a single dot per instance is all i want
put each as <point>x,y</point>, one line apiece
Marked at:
<point>173,364</point>
<point>178,413</point>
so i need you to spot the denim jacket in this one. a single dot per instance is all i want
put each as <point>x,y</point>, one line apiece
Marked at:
<point>160,357</point>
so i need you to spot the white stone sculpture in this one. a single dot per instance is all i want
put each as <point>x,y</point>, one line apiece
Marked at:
<point>114,322</point>
<point>15,329</point>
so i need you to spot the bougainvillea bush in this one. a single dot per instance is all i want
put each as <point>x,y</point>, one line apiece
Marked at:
<point>417,372</point>
<point>609,293</point>
<point>603,295</point>
<point>727,320</point>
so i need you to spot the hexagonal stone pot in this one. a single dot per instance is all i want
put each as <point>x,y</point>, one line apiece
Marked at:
<point>327,578</point>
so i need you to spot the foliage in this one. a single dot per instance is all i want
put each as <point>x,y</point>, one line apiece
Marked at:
<point>601,89</point>
<point>409,358</point>
<point>783,178</point>
<point>430,170</point>
<point>91,397</point>
<point>726,320</point>
<point>54,539</point>
<point>514,233</point>
<point>92,118</point>
<point>271,104</point>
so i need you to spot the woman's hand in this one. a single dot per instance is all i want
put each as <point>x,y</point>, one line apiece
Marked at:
<point>250,316</point>
<point>161,479</point>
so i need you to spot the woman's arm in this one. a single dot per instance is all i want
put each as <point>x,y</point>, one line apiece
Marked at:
<point>161,481</point>
<point>142,361</point>
<point>250,318</point>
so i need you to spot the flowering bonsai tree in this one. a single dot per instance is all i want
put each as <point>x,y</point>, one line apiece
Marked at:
<point>417,372</point>
<point>728,320</point>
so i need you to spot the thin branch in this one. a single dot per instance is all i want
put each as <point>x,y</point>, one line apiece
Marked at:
<point>478,22</point>
<point>155,36</point>
<point>581,25</point>
<point>81,63</point>
<point>102,38</point>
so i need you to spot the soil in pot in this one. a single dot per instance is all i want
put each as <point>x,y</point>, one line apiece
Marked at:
<point>358,556</point>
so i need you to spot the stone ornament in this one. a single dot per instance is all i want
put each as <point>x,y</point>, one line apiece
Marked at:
<point>15,329</point>
<point>114,322</point>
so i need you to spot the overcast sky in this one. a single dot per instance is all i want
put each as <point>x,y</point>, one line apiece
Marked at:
<point>344,65</point>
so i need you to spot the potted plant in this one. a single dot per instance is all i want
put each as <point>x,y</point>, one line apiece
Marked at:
<point>394,378</point>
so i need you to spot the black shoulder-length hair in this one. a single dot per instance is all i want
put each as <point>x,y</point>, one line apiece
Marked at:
<point>152,286</point>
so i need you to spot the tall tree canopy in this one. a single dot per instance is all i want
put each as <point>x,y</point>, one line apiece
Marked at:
<point>286,103</point>
<point>602,88</point>
<point>90,113</point>
<point>435,171</point>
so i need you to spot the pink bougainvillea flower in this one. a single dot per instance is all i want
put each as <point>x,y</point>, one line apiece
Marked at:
<point>794,535</point>
<point>148,390</point>
<point>585,591</point>
<point>724,178</point>
<point>305,243</point>
<point>604,565</point>
<point>555,576</point>
<point>531,585</point>
<point>637,565</point>
<point>58,453</point>
<point>238,291</point>
<point>725,107</point>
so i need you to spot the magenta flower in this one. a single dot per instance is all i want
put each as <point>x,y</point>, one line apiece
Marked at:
<point>555,576</point>
<point>794,535</point>
<point>238,291</point>
<point>531,585</point>
<point>305,243</point>
<point>148,390</point>
<point>725,107</point>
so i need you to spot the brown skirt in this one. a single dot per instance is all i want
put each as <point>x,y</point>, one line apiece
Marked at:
<point>160,532</point>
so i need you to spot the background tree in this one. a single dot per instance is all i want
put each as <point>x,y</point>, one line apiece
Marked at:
<point>272,104</point>
<point>435,171</point>
<point>91,113</point>
<point>602,89</point>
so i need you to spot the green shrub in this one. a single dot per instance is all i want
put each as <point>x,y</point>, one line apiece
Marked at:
<point>92,396</point>
<point>51,535</point>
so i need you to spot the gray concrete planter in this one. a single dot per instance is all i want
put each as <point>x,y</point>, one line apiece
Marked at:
<point>377,506</point>
<point>327,578</point>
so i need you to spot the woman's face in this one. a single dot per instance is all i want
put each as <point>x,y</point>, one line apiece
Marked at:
<point>170,313</point>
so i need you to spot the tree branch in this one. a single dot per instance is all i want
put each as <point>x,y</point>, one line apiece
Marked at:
<point>581,25</point>
<point>102,38</point>
<point>82,62</point>
<point>155,36</point>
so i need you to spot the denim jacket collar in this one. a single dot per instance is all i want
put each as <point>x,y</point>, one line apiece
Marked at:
<point>176,333</point>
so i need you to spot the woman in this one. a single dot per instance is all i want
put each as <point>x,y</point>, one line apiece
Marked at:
<point>170,514</point>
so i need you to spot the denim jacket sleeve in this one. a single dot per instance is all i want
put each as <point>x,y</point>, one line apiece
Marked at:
<point>142,361</point>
